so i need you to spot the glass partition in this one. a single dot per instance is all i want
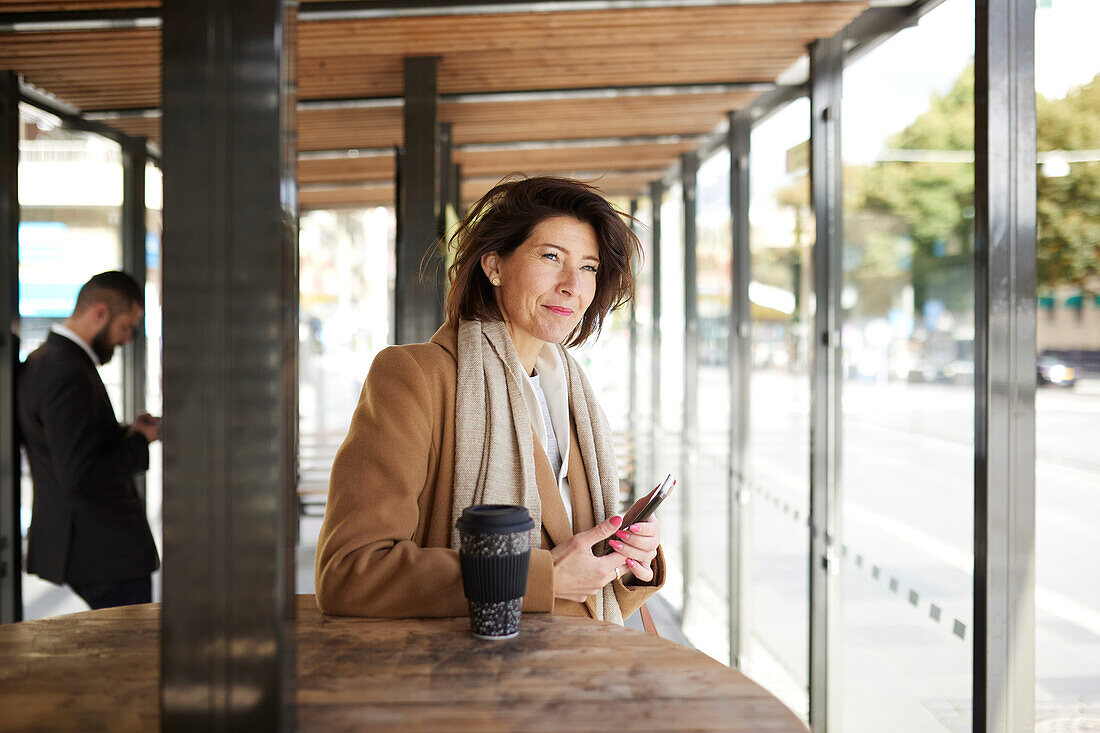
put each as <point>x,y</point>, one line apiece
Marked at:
<point>669,424</point>
<point>346,277</point>
<point>1067,403</point>
<point>706,621</point>
<point>70,199</point>
<point>907,402</point>
<point>776,595</point>
<point>644,469</point>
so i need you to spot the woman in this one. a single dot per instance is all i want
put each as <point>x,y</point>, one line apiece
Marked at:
<point>493,410</point>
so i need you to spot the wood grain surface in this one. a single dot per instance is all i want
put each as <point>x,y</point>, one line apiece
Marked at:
<point>100,670</point>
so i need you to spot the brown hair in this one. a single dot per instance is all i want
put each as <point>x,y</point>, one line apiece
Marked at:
<point>504,218</point>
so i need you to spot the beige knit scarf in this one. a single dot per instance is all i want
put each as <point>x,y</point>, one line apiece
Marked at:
<point>494,444</point>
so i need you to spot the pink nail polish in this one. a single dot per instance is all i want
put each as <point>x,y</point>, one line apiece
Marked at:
<point>616,520</point>
<point>616,544</point>
<point>622,534</point>
<point>634,527</point>
<point>631,563</point>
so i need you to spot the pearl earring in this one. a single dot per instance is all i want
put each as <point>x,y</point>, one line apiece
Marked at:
<point>496,282</point>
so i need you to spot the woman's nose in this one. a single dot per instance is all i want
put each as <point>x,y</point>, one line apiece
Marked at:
<point>569,279</point>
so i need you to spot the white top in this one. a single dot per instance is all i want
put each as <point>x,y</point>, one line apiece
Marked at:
<point>551,380</point>
<point>551,437</point>
<point>71,335</point>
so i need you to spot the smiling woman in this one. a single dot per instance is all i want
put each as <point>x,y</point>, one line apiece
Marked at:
<point>494,410</point>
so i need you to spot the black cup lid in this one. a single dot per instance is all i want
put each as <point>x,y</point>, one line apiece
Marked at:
<point>495,519</point>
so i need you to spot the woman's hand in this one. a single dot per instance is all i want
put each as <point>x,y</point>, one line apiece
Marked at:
<point>637,545</point>
<point>578,573</point>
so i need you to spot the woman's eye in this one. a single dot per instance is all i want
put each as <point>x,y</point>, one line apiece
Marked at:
<point>551,256</point>
<point>590,268</point>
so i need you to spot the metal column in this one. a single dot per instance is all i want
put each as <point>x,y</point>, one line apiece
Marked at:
<point>230,366</point>
<point>1004,382</point>
<point>418,288</point>
<point>446,176</point>
<point>134,159</point>
<point>826,73</point>
<point>656,195</point>
<point>689,438</point>
<point>11,540</point>
<point>740,356</point>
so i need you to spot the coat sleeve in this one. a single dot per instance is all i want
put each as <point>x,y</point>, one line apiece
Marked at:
<point>368,562</point>
<point>90,455</point>
<point>631,597</point>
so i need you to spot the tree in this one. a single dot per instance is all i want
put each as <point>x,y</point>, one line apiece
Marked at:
<point>935,196</point>
<point>1069,205</point>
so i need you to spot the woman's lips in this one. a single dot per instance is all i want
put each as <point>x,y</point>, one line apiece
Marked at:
<point>560,310</point>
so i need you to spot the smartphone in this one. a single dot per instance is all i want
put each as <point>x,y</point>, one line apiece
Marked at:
<point>644,511</point>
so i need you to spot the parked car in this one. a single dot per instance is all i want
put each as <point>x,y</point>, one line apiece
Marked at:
<point>1053,371</point>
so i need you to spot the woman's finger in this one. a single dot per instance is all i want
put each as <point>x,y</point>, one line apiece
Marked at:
<point>642,544</point>
<point>625,551</point>
<point>642,571</point>
<point>649,528</point>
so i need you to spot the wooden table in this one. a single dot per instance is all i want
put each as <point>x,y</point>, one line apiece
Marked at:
<point>100,670</point>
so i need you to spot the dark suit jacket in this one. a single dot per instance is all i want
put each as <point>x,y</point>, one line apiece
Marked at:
<point>88,524</point>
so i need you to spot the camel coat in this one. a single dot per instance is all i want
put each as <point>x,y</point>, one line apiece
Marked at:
<point>384,548</point>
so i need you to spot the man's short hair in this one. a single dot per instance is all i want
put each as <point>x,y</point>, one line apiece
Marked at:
<point>117,289</point>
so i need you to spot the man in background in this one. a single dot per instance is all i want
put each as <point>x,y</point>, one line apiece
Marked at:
<point>88,525</point>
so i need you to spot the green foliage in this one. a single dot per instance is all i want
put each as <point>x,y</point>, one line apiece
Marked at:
<point>934,199</point>
<point>1069,206</point>
<point>915,218</point>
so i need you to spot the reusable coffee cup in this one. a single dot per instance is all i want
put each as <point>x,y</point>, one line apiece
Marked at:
<point>494,552</point>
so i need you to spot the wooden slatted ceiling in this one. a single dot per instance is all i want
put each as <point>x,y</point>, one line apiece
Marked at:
<point>479,53</point>
<point>488,122</point>
<point>102,69</point>
<point>343,170</point>
<point>613,184</point>
<point>563,160</point>
<point>116,69</point>
<point>358,197</point>
<point>594,48</point>
<point>493,165</point>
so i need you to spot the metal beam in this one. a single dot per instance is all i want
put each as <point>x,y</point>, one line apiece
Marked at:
<point>230,366</point>
<point>447,192</point>
<point>740,359</point>
<point>72,118</point>
<point>826,75</point>
<point>134,159</point>
<point>11,539</point>
<point>419,293</point>
<point>57,21</point>
<point>689,434</point>
<point>505,97</point>
<point>1004,383</point>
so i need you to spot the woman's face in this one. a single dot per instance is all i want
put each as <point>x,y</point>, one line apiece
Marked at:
<point>547,283</point>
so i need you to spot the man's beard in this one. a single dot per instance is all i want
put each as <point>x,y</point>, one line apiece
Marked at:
<point>102,345</point>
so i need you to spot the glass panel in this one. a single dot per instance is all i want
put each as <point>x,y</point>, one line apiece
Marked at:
<point>1067,405</point>
<point>778,473</point>
<point>606,360</point>
<point>346,261</point>
<point>907,296</point>
<point>706,621</point>
<point>70,198</point>
<point>669,424</point>
<point>154,477</point>
<point>643,314</point>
